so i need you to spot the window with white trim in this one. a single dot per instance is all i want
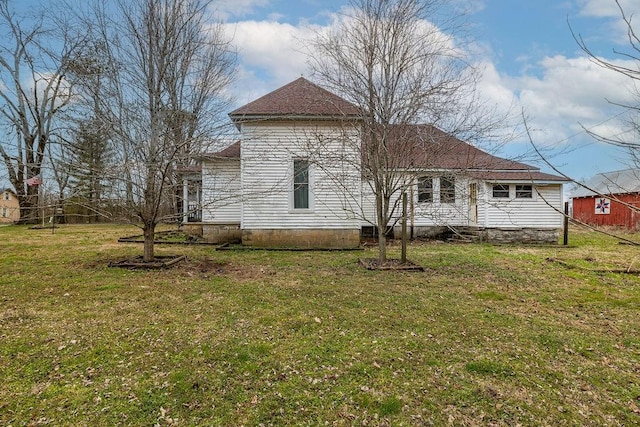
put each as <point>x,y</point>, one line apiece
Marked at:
<point>425,189</point>
<point>300,184</point>
<point>447,190</point>
<point>524,192</point>
<point>500,191</point>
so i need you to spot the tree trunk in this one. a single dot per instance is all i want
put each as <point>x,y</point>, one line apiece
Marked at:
<point>149,234</point>
<point>382,229</point>
<point>29,213</point>
<point>382,244</point>
<point>403,257</point>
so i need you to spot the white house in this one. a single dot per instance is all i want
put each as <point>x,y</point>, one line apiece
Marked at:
<point>294,179</point>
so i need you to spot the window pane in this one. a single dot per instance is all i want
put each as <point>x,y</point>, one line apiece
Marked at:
<point>524,192</point>
<point>501,191</point>
<point>425,190</point>
<point>300,184</point>
<point>447,190</point>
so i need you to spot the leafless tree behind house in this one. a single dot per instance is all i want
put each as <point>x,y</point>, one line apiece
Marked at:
<point>398,61</point>
<point>34,57</point>
<point>163,90</point>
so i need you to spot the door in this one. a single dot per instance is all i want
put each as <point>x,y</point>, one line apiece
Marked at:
<point>473,203</point>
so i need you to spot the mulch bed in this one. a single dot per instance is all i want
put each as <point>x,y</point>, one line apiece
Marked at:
<point>390,264</point>
<point>163,261</point>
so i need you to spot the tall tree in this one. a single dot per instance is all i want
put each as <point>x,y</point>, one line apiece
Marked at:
<point>163,94</point>
<point>398,62</point>
<point>34,58</point>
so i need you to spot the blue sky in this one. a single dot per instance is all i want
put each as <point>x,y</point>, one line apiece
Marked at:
<point>525,47</point>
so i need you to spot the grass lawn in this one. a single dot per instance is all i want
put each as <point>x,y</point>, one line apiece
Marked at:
<point>487,335</point>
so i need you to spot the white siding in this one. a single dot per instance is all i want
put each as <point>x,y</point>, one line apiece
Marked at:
<point>512,212</point>
<point>221,191</point>
<point>507,213</point>
<point>441,214</point>
<point>268,151</point>
<point>425,214</point>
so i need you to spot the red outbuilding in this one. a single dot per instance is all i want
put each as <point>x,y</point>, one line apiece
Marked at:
<point>611,198</point>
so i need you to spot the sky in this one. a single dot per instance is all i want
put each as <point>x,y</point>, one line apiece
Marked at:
<point>530,59</point>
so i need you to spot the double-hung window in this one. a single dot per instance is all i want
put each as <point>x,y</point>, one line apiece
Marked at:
<point>300,184</point>
<point>447,190</point>
<point>425,189</point>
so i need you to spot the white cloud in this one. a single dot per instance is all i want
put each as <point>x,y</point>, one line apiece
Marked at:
<point>568,94</point>
<point>272,49</point>
<point>607,8</point>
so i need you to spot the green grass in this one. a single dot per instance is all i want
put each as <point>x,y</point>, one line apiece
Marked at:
<point>487,335</point>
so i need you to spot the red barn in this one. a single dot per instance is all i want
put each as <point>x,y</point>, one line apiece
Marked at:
<point>611,198</point>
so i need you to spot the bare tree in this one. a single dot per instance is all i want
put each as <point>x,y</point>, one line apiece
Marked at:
<point>398,62</point>
<point>628,67</point>
<point>162,95</point>
<point>34,58</point>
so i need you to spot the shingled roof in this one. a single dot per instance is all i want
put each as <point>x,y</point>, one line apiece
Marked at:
<point>427,147</point>
<point>300,98</point>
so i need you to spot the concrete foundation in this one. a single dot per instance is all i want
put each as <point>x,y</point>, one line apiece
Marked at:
<point>220,233</point>
<point>302,238</point>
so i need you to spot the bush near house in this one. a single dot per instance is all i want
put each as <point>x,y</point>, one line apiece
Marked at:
<point>487,335</point>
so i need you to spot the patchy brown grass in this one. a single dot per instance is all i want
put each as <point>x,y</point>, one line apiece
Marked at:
<point>487,335</point>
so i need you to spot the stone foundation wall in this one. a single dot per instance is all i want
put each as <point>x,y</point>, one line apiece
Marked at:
<point>302,238</point>
<point>521,235</point>
<point>221,233</point>
<point>491,235</point>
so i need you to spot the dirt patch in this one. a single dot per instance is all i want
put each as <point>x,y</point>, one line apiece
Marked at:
<point>390,264</point>
<point>158,262</point>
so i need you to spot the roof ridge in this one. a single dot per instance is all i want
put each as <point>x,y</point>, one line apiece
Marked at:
<point>299,98</point>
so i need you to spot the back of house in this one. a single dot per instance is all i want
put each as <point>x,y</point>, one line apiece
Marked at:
<point>295,178</point>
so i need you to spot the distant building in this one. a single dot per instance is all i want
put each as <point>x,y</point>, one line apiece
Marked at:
<point>9,206</point>
<point>609,199</point>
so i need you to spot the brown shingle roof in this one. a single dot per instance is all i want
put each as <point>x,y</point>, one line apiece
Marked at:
<point>532,175</point>
<point>427,147</point>
<point>300,98</point>
<point>231,152</point>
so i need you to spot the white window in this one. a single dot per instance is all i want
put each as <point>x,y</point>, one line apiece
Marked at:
<point>500,191</point>
<point>447,190</point>
<point>300,184</point>
<point>524,192</point>
<point>7,196</point>
<point>4,212</point>
<point>425,189</point>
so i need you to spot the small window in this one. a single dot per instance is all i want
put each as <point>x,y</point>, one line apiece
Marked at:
<point>447,190</point>
<point>300,184</point>
<point>524,192</point>
<point>425,189</point>
<point>500,191</point>
<point>4,212</point>
<point>7,196</point>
